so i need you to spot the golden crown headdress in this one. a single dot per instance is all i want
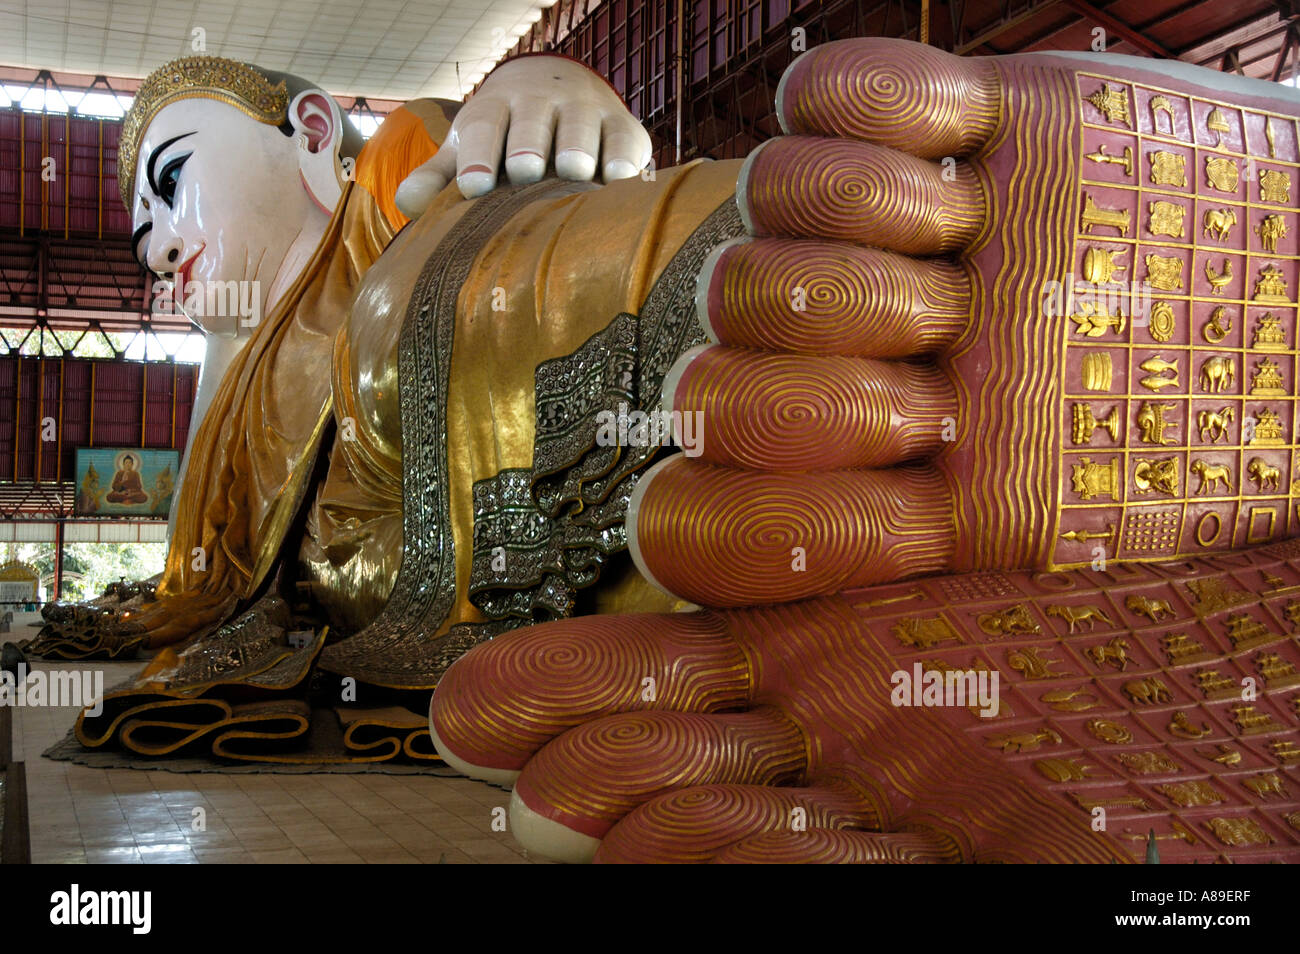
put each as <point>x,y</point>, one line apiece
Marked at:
<point>195,77</point>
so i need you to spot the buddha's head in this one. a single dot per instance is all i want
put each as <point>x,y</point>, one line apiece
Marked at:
<point>226,167</point>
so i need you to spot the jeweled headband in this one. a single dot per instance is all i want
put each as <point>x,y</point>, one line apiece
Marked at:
<point>195,77</point>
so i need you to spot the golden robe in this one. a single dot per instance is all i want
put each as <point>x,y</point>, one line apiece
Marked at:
<point>251,458</point>
<point>554,275</point>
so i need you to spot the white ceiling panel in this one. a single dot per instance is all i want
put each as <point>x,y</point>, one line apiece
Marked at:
<point>387,49</point>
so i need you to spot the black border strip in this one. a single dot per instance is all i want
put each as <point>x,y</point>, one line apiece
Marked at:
<point>15,836</point>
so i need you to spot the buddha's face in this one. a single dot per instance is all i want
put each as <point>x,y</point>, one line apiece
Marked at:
<point>220,197</point>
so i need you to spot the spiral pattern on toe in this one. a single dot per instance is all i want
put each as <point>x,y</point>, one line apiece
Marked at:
<point>904,95</point>
<point>506,699</point>
<point>724,537</point>
<point>593,775</point>
<point>782,412</point>
<point>693,824</point>
<point>829,298</point>
<point>821,846</point>
<point>832,188</point>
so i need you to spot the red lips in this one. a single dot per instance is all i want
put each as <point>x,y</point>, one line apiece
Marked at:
<point>183,274</point>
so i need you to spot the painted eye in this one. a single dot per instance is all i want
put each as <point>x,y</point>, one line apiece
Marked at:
<point>169,178</point>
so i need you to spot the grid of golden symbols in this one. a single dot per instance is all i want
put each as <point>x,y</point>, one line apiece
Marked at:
<point>1123,690</point>
<point>1179,409</point>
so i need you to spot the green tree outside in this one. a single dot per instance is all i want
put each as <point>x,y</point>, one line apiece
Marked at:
<point>89,567</point>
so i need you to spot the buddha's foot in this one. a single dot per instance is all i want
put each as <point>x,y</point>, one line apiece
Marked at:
<point>995,313</point>
<point>1095,708</point>
<point>1032,311</point>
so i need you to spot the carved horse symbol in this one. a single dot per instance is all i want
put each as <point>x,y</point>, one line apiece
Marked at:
<point>1215,424</point>
<point>1114,652</point>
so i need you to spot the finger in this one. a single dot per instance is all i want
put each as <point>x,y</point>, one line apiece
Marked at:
<point>895,93</point>
<point>823,846</point>
<point>577,145</point>
<point>590,777</point>
<point>478,149</point>
<point>697,824</point>
<point>805,187</point>
<point>528,146</point>
<point>625,149</point>
<point>506,699</point>
<point>828,298</point>
<point>724,537</point>
<point>420,187</point>
<point>779,411</point>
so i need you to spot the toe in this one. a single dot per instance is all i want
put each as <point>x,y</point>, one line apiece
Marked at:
<point>907,96</point>
<point>699,823</point>
<point>592,776</point>
<point>719,536</point>
<point>771,411</point>
<point>830,298</point>
<point>504,700</point>
<point>806,187</point>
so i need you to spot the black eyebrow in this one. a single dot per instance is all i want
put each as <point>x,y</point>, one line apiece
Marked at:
<point>153,158</point>
<point>138,234</point>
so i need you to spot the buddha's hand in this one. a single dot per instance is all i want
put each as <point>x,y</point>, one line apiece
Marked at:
<point>905,382</point>
<point>1131,701</point>
<point>537,111</point>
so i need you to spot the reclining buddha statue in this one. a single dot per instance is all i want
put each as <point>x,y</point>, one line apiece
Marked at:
<point>979,543</point>
<point>307,448</point>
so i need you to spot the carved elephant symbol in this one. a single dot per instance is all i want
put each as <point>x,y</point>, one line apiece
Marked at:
<point>1217,374</point>
<point>1145,692</point>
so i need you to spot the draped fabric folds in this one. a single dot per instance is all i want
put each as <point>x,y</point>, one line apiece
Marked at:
<point>251,457</point>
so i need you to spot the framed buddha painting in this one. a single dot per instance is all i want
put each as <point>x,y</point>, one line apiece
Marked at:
<point>125,481</point>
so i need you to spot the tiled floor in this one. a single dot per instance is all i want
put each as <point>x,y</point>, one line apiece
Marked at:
<point>80,814</point>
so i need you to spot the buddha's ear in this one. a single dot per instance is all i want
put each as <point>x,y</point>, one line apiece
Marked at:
<point>318,130</point>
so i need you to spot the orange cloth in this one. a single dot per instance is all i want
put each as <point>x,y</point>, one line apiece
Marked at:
<point>404,141</point>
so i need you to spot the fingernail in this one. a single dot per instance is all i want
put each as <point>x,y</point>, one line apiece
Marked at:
<point>619,169</point>
<point>474,183</point>
<point>525,166</point>
<point>575,164</point>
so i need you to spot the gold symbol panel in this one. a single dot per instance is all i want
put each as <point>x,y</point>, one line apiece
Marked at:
<point>1179,409</point>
